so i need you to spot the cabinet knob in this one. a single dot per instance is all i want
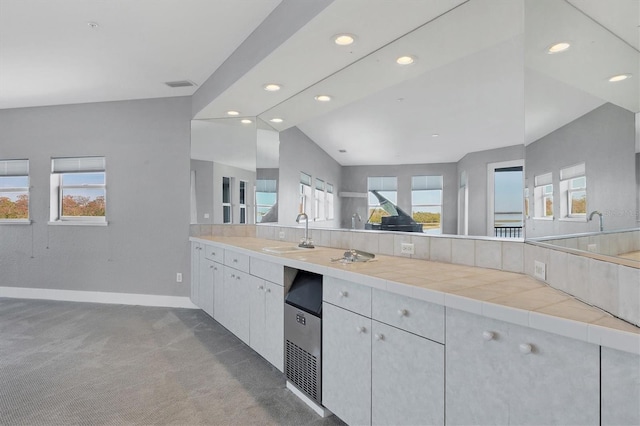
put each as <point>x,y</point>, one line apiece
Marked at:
<point>343,294</point>
<point>361,329</point>
<point>215,268</point>
<point>268,290</point>
<point>403,312</point>
<point>260,287</point>
<point>233,275</point>
<point>488,335</point>
<point>211,266</point>
<point>525,348</point>
<point>235,260</point>
<point>237,277</point>
<point>379,336</point>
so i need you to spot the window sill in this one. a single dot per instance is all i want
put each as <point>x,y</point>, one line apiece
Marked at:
<point>77,223</point>
<point>549,219</point>
<point>574,219</point>
<point>16,222</point>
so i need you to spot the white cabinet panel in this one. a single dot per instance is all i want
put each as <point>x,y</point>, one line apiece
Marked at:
<point>414,315</point>
<point>214,253</point>
<point>346,364</point>
<point>237,295</point>
<point>269,271</point>
<point>500,373</point>
<point>205,284</point>
<point>274,325</point>
<point>347,295</point>
<point>239,261</point>
<point>407,378</point>
<point>620,388</point>
<point>196,249</point>
<point>257,326</point>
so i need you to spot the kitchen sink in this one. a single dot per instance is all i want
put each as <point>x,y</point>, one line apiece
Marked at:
<point>283,249</point>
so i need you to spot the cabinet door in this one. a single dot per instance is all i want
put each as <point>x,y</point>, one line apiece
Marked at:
<point>205,285</point>
<point>237,293</point>
<point>476,370</point>
<point>620,387</point>
<point>407,378</point>
<point>218,293</point>
<point>346,364</point>
<point>257,314</point>
<point>196,249</point>
<point>274,325</point>
<point>556,383</point>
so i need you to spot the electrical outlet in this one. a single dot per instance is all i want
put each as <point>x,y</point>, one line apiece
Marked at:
<point>281,235</point>
<point>179,277</point>
<point>406,248</point>
<point>206,215</point>
<point>540,270</point>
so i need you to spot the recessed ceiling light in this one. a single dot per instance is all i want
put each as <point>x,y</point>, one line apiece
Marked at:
<point>344,39</point>
<point>93,25</point>
<point>323,98</point>
<point>272,87</point>
<point>619,77</point>
<point>276,120</point>
<point>342,151</point>
<point>405,60</point>
<point>246,121</point>
<point>233,113</point>
<point>558,47</point>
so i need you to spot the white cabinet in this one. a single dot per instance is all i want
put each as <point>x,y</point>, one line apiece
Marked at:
<point>620,376</point>
<point>267,321</point>
<point>346,364</point>
<point>500,373</point>
<point>208,272</point>
<point>374,373</point>
<point>407,379</point>
<point>237,292</point>
<point>196,250</point>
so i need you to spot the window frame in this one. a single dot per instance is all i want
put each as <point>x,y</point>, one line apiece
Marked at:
<point>387,187</point>
<point>319,196</point>
<point>20,172</point>
<point>439,187</point>
<point>58,187</point>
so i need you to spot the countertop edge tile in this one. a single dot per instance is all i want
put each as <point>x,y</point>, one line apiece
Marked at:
<point>505,313</point>
<point>615,339</point>
<point>562,326</point>
<point>462,303</point>
<point>400,288</point>
<point>429,295</point>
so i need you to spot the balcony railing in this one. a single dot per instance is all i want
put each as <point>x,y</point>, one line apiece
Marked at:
<point>508,231</point>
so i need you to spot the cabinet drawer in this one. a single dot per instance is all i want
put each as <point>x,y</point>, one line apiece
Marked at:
<point>214,253</point>
<point>236,260</point>
<point>416,316</point>
<point>347,295</point>
<point>267,270</point>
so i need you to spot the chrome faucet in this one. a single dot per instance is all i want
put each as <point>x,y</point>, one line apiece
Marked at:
<point>600,217</point>
<point>306,243</point>
<point>353,220</point>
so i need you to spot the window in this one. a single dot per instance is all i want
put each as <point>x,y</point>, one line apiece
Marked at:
<point>266,198</point>
<point>573,190</point>
<point>426,202</point>
<point>242,201</point>
<point>330,202</point>
<point>226,200</point>
<point>78,189</point>
<point>543,193</point>
<point>14,190</point>
<point>386,187</point>
<point>305,194</point>
<point>320,200</point>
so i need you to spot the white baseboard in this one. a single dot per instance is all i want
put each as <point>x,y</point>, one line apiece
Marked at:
<point>319,409</point>
<point>98,297</point>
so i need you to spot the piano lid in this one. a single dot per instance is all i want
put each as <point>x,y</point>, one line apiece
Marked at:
<point>397,220</point>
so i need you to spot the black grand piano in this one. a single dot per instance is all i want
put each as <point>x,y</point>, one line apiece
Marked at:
<point>397,220</point>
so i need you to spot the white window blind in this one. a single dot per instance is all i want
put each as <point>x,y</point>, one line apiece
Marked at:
<point>14,167</point>
<point>572,172</point>
<point>545,179</point>
<point>266,185</point>
<point>425,183</point>
<point>320,184</point>
<point>305,179</point>
<point>382,183</point>
<point>78,164</point>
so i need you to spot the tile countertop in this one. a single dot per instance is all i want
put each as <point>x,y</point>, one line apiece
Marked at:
<point>506,296</point>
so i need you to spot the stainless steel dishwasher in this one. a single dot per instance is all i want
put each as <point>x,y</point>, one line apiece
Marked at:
<point>303,334</point>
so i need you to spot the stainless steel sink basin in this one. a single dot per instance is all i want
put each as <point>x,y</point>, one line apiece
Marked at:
<point>283,249</point>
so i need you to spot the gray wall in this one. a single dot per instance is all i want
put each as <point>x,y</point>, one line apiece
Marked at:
<point>146,145</point>
<point>604,139</point>
<point>298,153</point>
<point>354,179</point>
<point>475,164</point>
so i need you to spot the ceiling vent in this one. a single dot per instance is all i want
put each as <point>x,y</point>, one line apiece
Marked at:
<point>182,83</point>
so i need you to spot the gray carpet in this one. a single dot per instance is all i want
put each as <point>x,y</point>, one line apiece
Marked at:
<point>83,363</point>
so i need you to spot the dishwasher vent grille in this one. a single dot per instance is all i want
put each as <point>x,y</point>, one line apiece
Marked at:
<point>302,369</point>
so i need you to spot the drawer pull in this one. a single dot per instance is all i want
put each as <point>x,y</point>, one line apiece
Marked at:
<point>268,290</point>
<point>361,329</point>
<point>525,348</point>
<point>343,294</point>
<point>488,335</point>
<point>403,312</point>
<point>260,287</point>
<point>235,260</point>
<point>379,336</point>
<point>211,266</point>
